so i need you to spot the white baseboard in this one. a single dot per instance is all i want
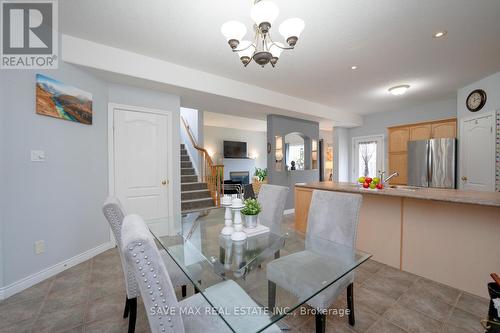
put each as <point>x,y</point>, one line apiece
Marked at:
<point>289,211</point>
<point>48,272</point>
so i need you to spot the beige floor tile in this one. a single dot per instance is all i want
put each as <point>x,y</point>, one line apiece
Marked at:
<point>105,307</point>
<point>364,318</point>
<point>412,321</point>
<point>64,318</point>
<point>375,301</point>
<point>23,326</point>
<point>34,294</point>
<point>474,304</point>
<point>60,299</point>
<point>465,320</point>
<point>425,302</point>
<point>445,293</point>
<point>384,326</point>
<point>11,314</point>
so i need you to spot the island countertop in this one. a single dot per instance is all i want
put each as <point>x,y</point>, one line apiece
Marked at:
<point>491,199</point>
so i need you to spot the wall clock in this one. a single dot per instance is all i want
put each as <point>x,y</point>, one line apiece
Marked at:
<point>476,100</point>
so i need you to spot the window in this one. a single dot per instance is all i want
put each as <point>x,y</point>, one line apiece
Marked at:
<point>368,156</point>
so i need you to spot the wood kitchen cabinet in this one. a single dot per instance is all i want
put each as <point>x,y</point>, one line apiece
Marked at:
<point>398,162</point>
<point>420,132</point>
<point>446,129</point>
<point>400,135</point>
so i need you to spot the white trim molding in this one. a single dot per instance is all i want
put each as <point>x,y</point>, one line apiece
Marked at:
<point>289,211</point>
<point>46,273</point>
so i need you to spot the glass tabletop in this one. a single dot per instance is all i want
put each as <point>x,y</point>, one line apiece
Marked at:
<point>226,271</point>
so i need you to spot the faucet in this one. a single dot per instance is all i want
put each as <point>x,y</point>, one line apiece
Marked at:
<point>395,174</point>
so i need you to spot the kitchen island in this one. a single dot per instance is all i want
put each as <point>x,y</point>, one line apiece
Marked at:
<point>449,236</point>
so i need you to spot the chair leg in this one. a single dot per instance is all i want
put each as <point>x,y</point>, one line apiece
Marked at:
<point>271,296</point>
<point>320,322</point>
<point>184,291</point>
<point>133,315</point>
<point>350,303</point>
<point>196,290</point>
<point>127,308</point>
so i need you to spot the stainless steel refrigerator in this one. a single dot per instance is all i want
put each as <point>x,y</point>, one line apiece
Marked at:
<point>432,163</point>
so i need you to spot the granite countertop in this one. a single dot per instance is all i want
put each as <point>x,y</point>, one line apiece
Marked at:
<point>447,195</point>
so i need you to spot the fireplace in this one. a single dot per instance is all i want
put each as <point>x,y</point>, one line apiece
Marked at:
<point>240,177</point>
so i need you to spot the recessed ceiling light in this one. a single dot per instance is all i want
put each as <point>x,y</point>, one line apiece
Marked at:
<point>399,90</point>
<point>354,67</point>
<point>440,34</point>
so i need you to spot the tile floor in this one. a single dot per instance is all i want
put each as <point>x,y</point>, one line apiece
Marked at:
<point>90,297</point>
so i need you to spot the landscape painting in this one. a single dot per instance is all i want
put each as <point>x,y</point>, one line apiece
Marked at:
<point>56,99</point>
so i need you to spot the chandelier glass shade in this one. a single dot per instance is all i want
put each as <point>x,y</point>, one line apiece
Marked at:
<point>263,49</point>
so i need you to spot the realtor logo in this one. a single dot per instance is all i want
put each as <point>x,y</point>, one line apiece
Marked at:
<point>29,35</point>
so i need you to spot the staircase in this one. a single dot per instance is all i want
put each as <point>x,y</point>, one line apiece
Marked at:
<point>195,196</point>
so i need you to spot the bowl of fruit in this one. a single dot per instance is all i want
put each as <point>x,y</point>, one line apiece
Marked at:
<point>371,183</point>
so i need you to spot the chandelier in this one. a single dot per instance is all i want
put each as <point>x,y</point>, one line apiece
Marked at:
<point>262,49</point>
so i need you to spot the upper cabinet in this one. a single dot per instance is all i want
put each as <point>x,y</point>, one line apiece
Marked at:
<point>398,137</point>
<point>446,129</point>
<point>420,132</point>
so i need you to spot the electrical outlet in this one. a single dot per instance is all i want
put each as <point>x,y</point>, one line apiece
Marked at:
<point>39,246</point>
<point>37,156</point>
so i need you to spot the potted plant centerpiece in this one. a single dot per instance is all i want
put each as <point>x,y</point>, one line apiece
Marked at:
<point>251,210</point>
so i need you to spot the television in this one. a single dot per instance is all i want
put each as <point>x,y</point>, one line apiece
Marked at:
<point>235,149</point>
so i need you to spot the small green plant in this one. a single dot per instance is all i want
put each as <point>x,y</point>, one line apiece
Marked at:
<point>252,207</point>
<point>261,173</point>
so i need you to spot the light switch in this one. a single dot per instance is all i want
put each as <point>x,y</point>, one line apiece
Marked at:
<point>37,156</point>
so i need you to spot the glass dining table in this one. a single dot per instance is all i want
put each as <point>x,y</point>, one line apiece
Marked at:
<point>199,245</point>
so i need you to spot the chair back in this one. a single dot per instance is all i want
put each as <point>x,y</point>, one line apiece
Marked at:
<point>144,259</point>
<point>114,213</point>
<point>334,216</point>
<point>248,192</point>
<point>272,199</point>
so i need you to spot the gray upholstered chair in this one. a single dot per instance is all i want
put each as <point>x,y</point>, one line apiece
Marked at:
<point>114,213</point>
<point>163,309</point>
<point>272,199</point>
<point>333,217</point>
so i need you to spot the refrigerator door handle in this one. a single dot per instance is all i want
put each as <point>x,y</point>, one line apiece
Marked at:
<point>430,161</point>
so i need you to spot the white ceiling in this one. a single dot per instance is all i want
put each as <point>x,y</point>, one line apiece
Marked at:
<point>390,40</point>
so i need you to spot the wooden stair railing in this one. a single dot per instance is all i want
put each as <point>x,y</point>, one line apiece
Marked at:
<point>210,173</point>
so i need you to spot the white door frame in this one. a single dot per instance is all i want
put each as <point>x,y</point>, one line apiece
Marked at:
<point>380,138</point>
<point>111,154</point>
<point>461,146</point>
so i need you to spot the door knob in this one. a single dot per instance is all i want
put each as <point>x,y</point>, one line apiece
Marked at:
<point>164,182</point>
<point>464,178</point>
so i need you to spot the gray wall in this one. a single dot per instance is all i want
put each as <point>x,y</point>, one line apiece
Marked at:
<point>341,157</point>
<point>133,96</point>
<point>280,125</point>
<point>377,123</point>
<point>58,200</point>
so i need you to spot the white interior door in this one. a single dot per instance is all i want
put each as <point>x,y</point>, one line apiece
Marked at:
<point>477,155</point>
<point>140,162</point>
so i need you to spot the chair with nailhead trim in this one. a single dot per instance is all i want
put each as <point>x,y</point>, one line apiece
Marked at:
<point>114,213</point>
<point>163,310</point>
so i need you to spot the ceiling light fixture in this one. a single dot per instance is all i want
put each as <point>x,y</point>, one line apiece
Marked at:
<point>354,67</point>
<point>399,90</point>
<point>262,49</point>
<point>440,34</point>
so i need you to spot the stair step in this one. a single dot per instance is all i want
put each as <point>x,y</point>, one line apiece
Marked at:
<point>193,186</point>
<point>184,152</point>
<point>185,158</point>
<point>194,210</point>
<point>183,146</point>
<point>196,204</point>
<point>195,194</point>
<point>189,179</point>
<point>188,172</point>
<point>186,164</point>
